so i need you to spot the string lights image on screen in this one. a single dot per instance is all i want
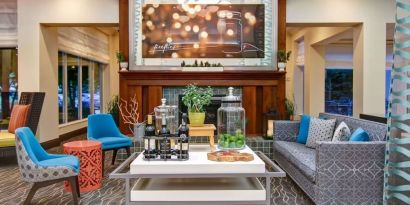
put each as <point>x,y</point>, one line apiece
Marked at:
<point>203,31</point>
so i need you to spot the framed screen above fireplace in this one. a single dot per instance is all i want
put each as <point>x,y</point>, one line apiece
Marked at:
<point>203,31</point>
<point>235,33</point>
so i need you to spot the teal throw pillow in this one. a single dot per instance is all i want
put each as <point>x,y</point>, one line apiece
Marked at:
<point>359,135</point>
<point>303,129</point>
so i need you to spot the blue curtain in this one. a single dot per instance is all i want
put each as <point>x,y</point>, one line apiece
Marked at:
<point>397,171</point>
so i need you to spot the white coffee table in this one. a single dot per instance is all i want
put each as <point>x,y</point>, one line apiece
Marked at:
<point>198,180</point>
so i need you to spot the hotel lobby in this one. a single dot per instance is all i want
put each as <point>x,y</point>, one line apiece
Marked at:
<point>217,102</point>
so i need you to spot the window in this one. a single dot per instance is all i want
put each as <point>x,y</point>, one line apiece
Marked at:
<point>339,91</point>
<point>8,83</point>
<point>79,87</point>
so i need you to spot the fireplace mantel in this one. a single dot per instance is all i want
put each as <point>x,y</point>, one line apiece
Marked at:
<point>261,90</point>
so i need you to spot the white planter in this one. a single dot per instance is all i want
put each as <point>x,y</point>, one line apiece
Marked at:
<point>124,66</point>
<point>281,66</point>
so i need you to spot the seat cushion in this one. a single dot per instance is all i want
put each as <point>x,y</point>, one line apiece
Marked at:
<point>114,142</point>
<point>7,139</point>
<point>67,161</point>
<point>18,117</point>
<point>302,157</point>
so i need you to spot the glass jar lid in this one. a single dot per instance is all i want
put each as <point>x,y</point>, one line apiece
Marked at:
<point>230,97</point>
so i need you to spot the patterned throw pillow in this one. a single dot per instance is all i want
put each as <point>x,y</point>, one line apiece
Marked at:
<point>18,117</point>
<point>342,133</point>
<point>320,130</point>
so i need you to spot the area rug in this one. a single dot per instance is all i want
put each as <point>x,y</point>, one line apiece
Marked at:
<point>14,191</point>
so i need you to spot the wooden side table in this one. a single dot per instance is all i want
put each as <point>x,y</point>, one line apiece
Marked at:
<point>206,130</point>
<point>90,155</point>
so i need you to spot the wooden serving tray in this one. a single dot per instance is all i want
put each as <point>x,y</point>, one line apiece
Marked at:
<point>229,156</point>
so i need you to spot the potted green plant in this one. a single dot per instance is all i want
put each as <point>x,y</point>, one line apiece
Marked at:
<point>196,98</point>
<point>290,109</point>
<point>283,58</point>
<point>121,60</point>
<point>113,108</point>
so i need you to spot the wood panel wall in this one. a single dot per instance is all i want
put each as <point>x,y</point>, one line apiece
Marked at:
<point>261,90</point>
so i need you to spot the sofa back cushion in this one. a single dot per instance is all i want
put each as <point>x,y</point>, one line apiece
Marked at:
<point>377,131</point>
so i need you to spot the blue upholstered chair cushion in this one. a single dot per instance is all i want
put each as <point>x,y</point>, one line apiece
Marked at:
<point>299,155</point>
<point>36,165</point>
<point>303,129</point>
<point>114,142</point>
<point>102,128</point>
<point>359,135</point>
<point>69,161</point>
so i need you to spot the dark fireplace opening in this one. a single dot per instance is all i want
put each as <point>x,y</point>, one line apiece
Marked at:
<point>211,110</point>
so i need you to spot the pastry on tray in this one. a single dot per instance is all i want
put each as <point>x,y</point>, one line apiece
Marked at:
<point>229,156</point>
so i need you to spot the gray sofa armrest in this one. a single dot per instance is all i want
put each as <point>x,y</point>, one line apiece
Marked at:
<point>286,130</point>
<point>348,172</point>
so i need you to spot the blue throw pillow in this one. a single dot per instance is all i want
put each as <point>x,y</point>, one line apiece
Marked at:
<point>303,129</point>
<point>359,135</point>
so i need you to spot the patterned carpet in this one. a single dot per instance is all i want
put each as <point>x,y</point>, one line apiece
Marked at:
<point>13,190</point>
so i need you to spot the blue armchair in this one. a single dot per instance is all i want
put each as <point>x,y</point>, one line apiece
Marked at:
<point>43,169</point>
<point>102,128</point>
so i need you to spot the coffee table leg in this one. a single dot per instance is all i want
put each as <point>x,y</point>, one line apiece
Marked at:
<point>268,190</point>
<point>127,191</point>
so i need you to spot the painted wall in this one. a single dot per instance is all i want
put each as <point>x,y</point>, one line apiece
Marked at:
<point>37,47</point>
<point>370,47</point>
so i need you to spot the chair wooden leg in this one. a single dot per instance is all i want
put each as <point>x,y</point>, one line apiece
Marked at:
<point>128,151</point>
<point>74,190</point>
<point>77,186</point>
<point>114,155</point>
<point>30,195</point>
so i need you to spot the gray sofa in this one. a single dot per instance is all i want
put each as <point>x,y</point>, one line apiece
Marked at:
<point>334,172</point>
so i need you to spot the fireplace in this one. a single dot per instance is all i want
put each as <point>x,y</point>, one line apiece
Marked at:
<point>261,91</point>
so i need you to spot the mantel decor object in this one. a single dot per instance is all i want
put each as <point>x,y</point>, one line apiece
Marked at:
<point>202,67</point>
<point>283,58</point>
<point>121,60</point>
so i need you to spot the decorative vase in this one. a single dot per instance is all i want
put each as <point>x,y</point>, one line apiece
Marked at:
<point>123,66</point>
<point>196,119</point>
<point>139,130</point>
<point>281,66</point>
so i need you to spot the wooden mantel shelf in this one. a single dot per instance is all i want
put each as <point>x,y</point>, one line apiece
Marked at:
<point>225,78</point>
<point>181,75</point>
<point>261,90</point>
